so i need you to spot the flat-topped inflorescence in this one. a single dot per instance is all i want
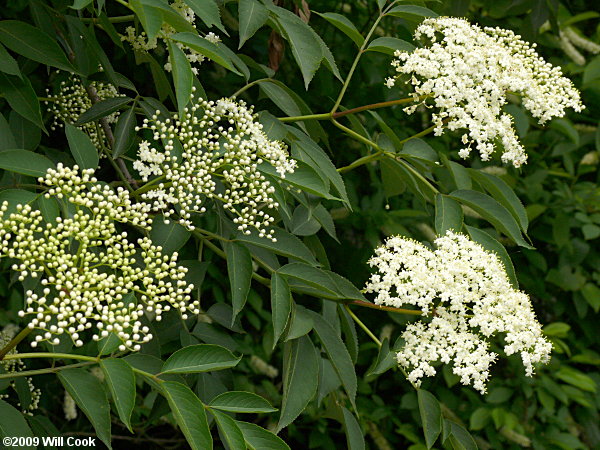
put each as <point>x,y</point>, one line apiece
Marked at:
<point>222,148</point>
<point>92,275</point>
<point>467,291</point>
<point>466,71</point>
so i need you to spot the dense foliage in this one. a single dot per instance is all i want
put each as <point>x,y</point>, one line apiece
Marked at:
<point>196,200</point>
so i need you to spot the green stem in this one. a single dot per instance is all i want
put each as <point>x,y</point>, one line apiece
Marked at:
<point>354,64</point>
<point>363,326</point>
<point>373,106</point>
<point>412,312</point>
<point>425,132</point>
<point>31,373</point>
<point>53,355</point>
<point>14,342</point>
<point>248,86</point>
<point>324,116</point>
<point>148,186</point>
<point>116,19</point>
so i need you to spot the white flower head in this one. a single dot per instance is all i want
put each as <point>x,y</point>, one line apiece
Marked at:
<point>467,72</point>
<point>468,294</point>
<point>223,147</point>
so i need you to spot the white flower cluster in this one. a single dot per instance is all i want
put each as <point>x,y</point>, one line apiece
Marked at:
<point>466,290</point>
<point>468,71</point>
<point>17,365</point>
<point>72,100</point>
<point>223,145</point>
<point>142,43</point>
<point>92,275</point>
<point>569,39</point>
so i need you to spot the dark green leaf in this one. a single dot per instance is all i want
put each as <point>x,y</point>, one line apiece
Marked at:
<point>170,236</point>
<point>304,177</point>
<point>16,197</point>
<point>49,208</point>
<point>239,269</point>
<point>27,134</point>
<point>431,416</point>
<point>150,17</point>
<point>300,379</point>
<point>102,109</point>
<point>25,162</point>
<point>411,12</point>
<point>82,148</point>
<point>343,24</point>
<point>319,282</point>
<point>208,11</point>
<point>491,244</point>
<point>189,414</point>
<point>124,132</point>
<point>385,360</point>
<point>13,424</point>
<point>8,64</point>
<point>7,139</point>
<point>258,438</point>
<point>493,212</point>
<point>448,214</point>
<point>120,380</point>
<point>22,98</point>
<point>337,353</point>
<point>389,45</point>
<point>230,432</point>
<point>303,222</point>
<point>300,322</point>
<point>182,76</point>
<point>241,402</point>
<point>200,358</point>
<point>306,48</point>
<point>285,244</point>
<point>459,438</point>
<point>90,396</point>
<point>281,304</point>
<point>80,4</point>
<point>33,43</point>
<point>354,436</point>
<point>252,15</point>
<point>502,193</point>
<point>206,48</point>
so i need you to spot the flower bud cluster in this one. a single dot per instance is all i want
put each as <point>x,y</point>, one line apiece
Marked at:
<point>143,44</point>
<point>14,366</point>
<point>467,291</point>
<point>92,276</point>
<point>72,100</point>
<point>223,146</point>
<point>467,71</point>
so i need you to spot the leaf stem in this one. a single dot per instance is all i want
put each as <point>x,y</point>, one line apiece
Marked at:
<point>248,86</point>
<point>354,64</point>
<point>116,19</point>
<point>30,373</point>
<point>400,101</point>
<point>363,326</point>
<point>412,312</point>
<point>324,116</point>
<point>14,342</point>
